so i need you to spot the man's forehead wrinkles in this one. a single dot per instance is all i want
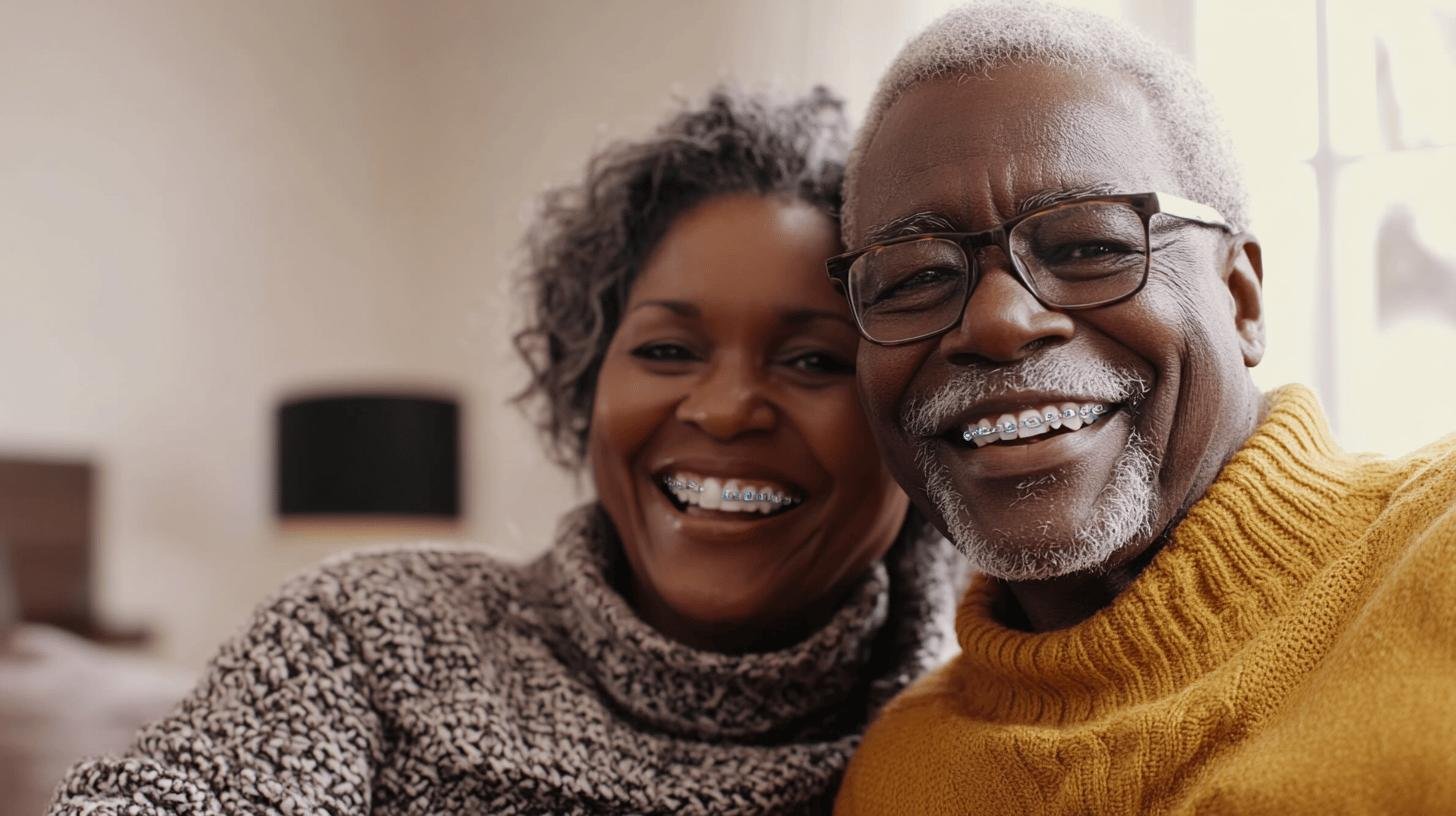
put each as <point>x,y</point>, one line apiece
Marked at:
<point>976,165</point>
<point>925,221</point>
<point>959,179</point>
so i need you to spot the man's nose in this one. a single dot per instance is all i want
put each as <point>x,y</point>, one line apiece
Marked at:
<point>1003,321</point>
<point>727,401</point>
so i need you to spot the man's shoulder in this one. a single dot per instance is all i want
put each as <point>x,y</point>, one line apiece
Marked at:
<point>1431,460</point>
<point>911,720</point>
<point>909,754</point>
<point>1425,490</point>
<point>933,690</point>
<point>1413,537</point>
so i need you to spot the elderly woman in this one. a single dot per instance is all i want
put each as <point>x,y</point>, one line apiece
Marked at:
<point>710,635</point>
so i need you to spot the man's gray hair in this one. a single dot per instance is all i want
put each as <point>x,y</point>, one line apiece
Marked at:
<point>982,36</point>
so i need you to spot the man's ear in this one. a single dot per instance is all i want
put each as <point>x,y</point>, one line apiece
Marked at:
<point>1244,276</point>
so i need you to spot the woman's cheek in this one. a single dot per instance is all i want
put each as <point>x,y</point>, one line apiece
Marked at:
<point>622,408</point>
<point>871,504</point>
<point>841,436</point>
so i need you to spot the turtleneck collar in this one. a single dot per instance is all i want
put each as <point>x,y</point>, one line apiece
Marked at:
<point>893,626</point>
<point>1270,521</point>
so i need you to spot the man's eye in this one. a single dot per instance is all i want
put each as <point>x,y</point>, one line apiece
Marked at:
<point>1089,251</point>
<point>924,278</point>
<point>664,352</point>
<point>919,288</point>
<point>820,362</point>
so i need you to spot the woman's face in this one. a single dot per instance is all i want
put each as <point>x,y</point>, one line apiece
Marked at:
<point>733,369</point>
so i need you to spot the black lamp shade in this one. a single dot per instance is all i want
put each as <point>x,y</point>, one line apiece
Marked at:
<point>369,455</point>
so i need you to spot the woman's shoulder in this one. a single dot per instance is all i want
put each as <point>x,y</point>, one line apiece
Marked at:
<point>425,563</point>
<point>415,582</point>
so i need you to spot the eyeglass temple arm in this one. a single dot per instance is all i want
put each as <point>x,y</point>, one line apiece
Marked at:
<point>1191,210</point>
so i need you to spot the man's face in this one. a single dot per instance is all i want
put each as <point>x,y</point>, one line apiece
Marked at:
<point>1169,365</point>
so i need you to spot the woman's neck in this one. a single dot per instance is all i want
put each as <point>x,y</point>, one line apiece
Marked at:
<point>766,634</point>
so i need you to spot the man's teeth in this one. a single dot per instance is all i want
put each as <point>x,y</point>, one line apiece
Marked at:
<point>728,495</point>
<point>1033,421</point>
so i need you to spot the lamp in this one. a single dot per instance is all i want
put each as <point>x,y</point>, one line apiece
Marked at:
<point>368,455</point>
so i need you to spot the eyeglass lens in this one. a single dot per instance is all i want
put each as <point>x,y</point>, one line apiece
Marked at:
<point>1071,255</point>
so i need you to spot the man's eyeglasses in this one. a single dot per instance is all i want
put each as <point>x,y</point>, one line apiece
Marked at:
<point>1079,254</point>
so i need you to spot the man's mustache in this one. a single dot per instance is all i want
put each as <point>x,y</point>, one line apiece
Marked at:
<point>1050,372</point>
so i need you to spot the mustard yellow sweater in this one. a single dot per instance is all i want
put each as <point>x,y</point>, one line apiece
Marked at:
<point>1291,650</point>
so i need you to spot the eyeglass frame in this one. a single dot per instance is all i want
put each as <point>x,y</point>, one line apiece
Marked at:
<point>1145,204</point>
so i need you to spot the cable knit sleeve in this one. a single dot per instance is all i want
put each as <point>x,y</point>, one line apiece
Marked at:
<point>281,722</point>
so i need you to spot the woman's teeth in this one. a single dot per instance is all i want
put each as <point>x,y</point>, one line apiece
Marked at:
<point>1032,422</point>
<point>728,495</point>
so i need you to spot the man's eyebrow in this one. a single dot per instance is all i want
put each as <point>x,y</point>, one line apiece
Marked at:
<point>913,224</point>
<point>1056,195</point>
<point>681,308</point>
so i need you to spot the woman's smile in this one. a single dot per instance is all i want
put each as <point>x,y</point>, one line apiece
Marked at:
<point>689,491</point>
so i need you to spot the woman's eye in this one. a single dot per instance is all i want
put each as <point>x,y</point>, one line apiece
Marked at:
<point>820,362</point>
<point>664,352</point>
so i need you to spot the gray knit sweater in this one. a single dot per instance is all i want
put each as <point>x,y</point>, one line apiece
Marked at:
<point>435,680</point>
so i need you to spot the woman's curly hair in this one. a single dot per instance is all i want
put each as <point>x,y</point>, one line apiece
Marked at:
<point>592,239</point>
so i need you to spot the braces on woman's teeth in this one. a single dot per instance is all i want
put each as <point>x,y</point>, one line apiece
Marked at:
<point>1033,422</point>
<point>713,494</point>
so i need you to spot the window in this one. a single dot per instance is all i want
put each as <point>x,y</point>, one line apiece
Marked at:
<point>1343,114</point>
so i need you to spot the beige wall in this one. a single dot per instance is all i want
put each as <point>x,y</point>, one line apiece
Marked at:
<point>205,205</point>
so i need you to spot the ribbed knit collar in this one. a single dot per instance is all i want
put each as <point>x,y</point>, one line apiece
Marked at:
<point>894,626</point>
<point>1277,513</point>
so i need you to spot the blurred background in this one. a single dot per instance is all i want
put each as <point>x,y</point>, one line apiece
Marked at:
<point>210,211</point>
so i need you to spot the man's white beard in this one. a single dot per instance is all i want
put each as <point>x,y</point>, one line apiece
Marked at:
<point>1122,512</point>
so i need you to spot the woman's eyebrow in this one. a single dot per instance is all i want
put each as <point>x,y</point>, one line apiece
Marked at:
<point>680,308</point>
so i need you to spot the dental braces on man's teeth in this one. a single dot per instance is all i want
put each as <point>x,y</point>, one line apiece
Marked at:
<point>727,494</point>
<point>1031,423</point>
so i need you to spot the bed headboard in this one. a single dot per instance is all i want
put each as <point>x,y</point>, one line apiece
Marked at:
<point>46,523</point>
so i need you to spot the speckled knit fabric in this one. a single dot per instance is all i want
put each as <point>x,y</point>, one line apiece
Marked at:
<point>435,680</point>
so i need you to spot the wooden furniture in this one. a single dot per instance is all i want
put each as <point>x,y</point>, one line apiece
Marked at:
<point>47,527</point>
<point>46,523</point>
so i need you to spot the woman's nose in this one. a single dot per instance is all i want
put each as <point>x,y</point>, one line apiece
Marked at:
<point>727,401</point>
<point>1003,321</point>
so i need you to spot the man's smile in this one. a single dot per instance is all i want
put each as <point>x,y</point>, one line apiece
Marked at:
<point>1044,451</point>
<point>1030,424</point>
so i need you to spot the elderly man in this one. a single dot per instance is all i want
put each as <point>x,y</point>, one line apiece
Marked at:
<point>1191,600</point>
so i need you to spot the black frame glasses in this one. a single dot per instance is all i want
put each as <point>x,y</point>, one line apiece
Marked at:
<point>1145,204</point>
